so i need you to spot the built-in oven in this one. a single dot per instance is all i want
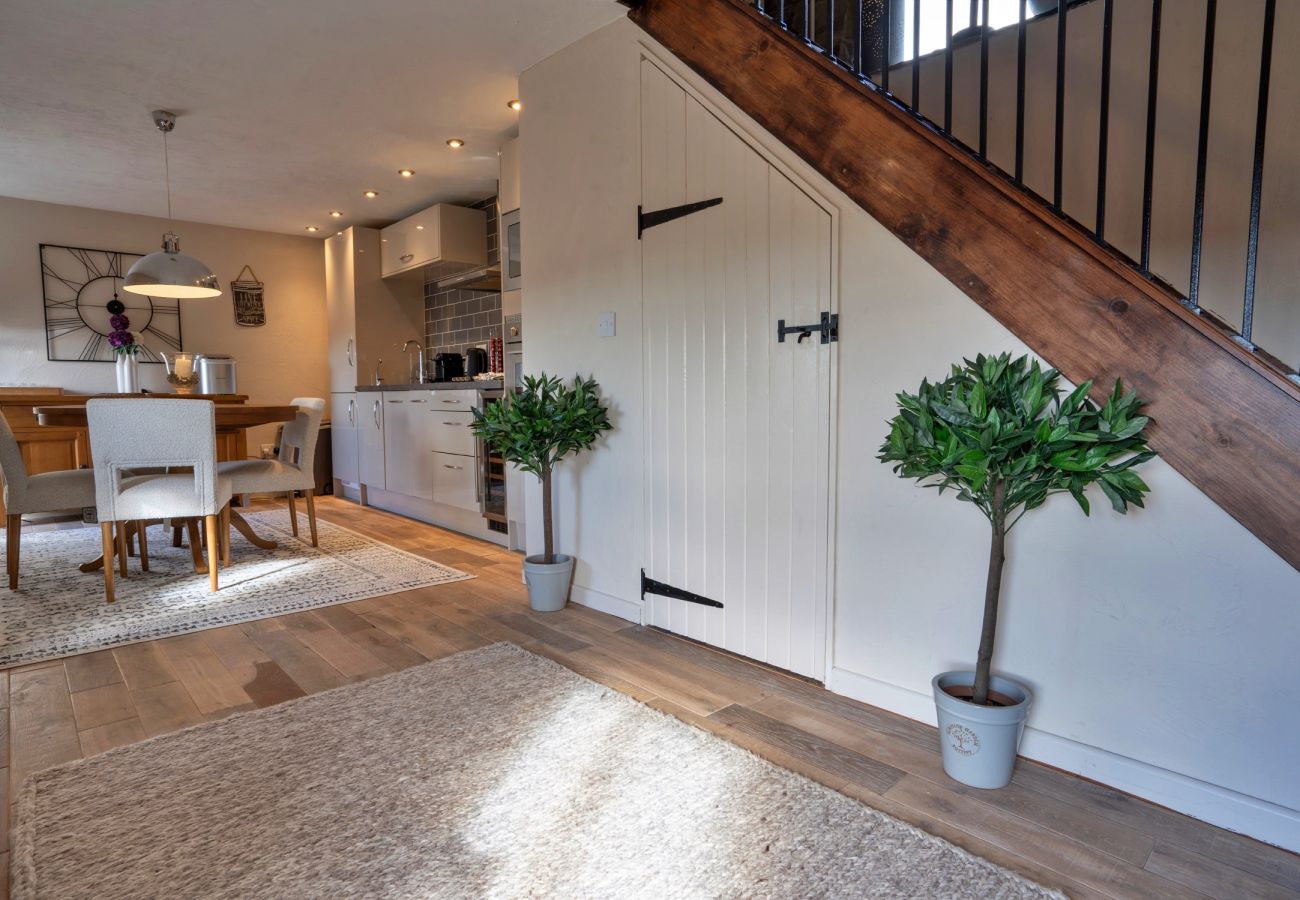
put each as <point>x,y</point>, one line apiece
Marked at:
<point>514,352</point>
<point>511,266</point>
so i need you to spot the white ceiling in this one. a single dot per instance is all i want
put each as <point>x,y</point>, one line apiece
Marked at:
<point>287,108</point>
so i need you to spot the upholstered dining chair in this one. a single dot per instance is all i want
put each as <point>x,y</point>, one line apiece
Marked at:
<point>292,470</point>
<point>160,436</point>
<point>25,494</point>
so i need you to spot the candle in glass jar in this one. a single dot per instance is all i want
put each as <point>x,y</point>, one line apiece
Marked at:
<point>184,367</point>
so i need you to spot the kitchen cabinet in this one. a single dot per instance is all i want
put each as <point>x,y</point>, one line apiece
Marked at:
<point>508,186</point>
<point>451,433</point>
<point>368,318</point>
<point>370,440</point>
<point>455,480</point>
<point>407,422</point>
<point>343,437</point>
<point>451,238</point>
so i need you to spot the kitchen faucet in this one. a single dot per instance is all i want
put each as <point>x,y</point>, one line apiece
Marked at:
<point>419,379</point>
<point>379,371</point>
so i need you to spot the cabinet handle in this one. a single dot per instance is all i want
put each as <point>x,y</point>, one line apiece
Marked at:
<point>417,401</point>
<point>457,402</point>
<point>394,401</point>
<point>454,423</point>
<point>352,413</point>
<point>378,424</point>
<point>407,257</point>
<point>449,466</point>
<point>350,342</point>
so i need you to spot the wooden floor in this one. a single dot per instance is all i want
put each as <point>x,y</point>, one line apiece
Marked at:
<point>1062,831</point>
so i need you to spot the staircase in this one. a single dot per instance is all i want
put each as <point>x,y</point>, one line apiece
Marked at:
<point>976,146</point>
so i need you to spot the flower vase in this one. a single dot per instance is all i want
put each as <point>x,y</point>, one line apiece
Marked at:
<point>128,374</point>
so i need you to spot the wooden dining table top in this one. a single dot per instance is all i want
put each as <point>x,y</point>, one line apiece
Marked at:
<point>230,416</point>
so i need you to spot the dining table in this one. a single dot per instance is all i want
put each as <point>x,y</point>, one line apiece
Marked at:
<point>230,417</point>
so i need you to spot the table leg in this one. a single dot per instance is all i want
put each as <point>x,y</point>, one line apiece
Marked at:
<point>241,525</point>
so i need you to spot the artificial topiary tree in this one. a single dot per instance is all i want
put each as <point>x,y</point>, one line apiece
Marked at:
<point>537,427</point>
<point>998,433</point>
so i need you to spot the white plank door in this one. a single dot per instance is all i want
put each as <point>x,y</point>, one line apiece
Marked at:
<point>737,424</point>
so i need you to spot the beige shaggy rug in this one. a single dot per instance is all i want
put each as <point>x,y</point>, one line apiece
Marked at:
<point>492,773</point>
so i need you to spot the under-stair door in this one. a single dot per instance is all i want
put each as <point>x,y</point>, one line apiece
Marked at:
<point>737,423</point>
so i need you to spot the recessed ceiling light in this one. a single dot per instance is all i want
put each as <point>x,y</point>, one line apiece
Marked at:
<point>336,214</point>
<point>455,143</point>
<point>419,228</point>
<point>312,228</point>
<point>338,233</point>
<point>516,105</point>
<point>370,195</point>
<point>406,173</point>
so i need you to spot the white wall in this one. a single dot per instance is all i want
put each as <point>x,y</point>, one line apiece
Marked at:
<point>1160,646</point>
<point>276,362</point>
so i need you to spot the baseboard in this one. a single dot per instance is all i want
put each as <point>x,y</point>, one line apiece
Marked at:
<point>1210,803</point>
<point>607,603</point>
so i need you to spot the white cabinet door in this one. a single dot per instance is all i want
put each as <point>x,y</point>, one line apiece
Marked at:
<point>340,307</point>
<point>508,193</point>
<point>419,412</point>
<point>397,443</point>
<point>370,439</point>
<point>453,236</point>
<point>455,480</point>
<point>451,433</point>
<point>738,425</point>
<point>343,437</point>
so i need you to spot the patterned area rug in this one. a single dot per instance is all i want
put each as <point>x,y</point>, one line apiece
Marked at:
<point>60,611</point>
<point>491,773</point>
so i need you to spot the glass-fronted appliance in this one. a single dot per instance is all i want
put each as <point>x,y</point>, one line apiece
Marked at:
<point>514,352</point>
<point>491,480</point>
<point>511,266</point>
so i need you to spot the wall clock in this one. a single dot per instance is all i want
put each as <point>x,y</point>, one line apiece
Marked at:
<point>79,287</point>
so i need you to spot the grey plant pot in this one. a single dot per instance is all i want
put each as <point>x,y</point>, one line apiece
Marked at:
<point>979,743</point>
<point>548,585</point>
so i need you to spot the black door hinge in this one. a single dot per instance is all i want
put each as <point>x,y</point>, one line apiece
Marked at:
<point>829,326</point>
<point>650,586</point>
<point>646,220</point>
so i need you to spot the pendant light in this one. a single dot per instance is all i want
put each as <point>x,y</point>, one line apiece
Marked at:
<point>169,272</point>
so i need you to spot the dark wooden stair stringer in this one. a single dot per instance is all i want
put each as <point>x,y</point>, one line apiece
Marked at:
<point>1226,421</point>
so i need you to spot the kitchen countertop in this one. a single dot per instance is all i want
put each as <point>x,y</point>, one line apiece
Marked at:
<point>496,385</point>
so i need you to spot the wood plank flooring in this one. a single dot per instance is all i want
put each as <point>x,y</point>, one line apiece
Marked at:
<point>1062,831</point>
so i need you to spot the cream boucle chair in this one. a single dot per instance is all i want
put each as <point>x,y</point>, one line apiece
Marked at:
<point>293,469</point>
<point>24,494</point>
<point>156,435</point>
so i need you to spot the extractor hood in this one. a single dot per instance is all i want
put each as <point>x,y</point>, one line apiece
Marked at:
<point>487,278</point>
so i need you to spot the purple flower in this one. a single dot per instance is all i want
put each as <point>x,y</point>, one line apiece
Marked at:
<point>120,340</point>
<point>120,323</point>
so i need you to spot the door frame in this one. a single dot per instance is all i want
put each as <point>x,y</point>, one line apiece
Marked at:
<point>774,154</point>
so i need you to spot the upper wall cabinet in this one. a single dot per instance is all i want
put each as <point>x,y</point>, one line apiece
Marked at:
<point>453,238</point>
<point>508,189</point>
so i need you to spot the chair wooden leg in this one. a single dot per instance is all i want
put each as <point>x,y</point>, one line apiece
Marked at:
<point>106,532</point>
<point>225,535</point>
<point>176,533</point>
<point>13,535</point>
<point>196,545</point>
<point>122,557</point>
<point>310,496</point>
<point>293,514</point>
<point>131,528</point>
<point>214,544</point>
<point>142,529</point>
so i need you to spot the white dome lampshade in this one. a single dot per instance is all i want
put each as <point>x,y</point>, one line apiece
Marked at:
<point>170,273</point>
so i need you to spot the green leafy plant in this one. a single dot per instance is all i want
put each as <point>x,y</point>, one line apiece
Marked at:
<point>537,427</point>
<point>998,433</point>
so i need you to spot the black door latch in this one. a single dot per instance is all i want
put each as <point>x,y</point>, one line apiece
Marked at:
<point>829,326</point>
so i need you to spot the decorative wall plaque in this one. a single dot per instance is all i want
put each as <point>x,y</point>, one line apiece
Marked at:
<point>247,295</point>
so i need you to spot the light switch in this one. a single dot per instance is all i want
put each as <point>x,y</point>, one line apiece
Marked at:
<point>605,324</point>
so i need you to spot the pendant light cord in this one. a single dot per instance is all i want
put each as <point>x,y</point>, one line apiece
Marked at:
<point>167,170</point>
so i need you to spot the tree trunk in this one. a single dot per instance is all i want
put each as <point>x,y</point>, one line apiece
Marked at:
<point>548,532</point>
<point>992,592</point>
